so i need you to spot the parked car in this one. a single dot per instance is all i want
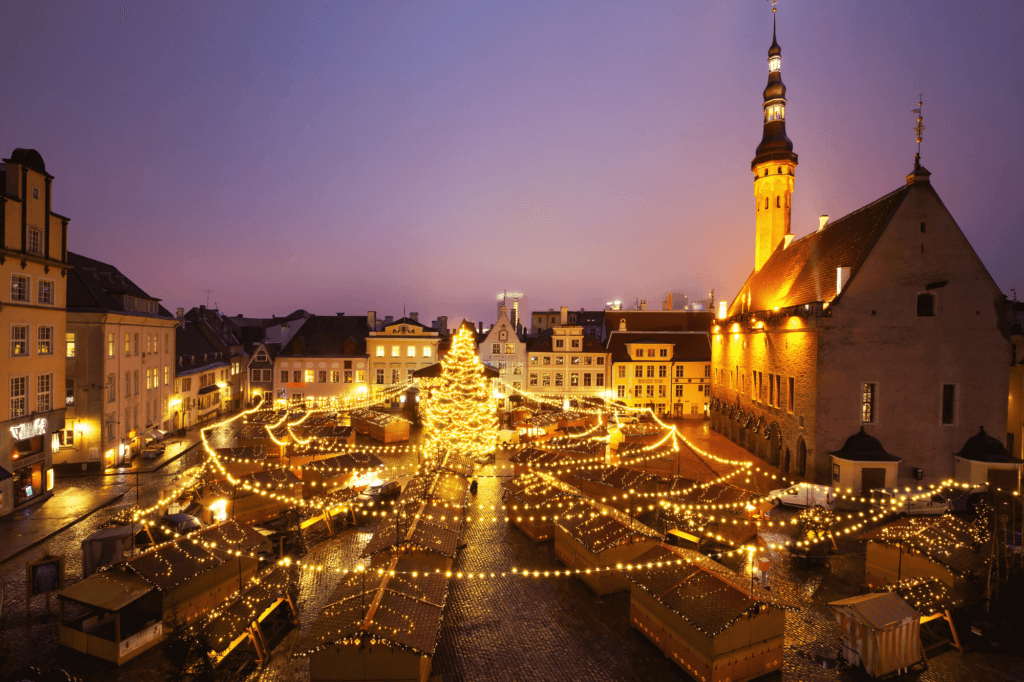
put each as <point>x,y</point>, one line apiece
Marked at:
<point>804,495</point>
<point>166,527</point>
<point>381,491</point>
<point>911,504</point>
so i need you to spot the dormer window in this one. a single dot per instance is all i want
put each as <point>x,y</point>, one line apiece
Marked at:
<point>774,64</point>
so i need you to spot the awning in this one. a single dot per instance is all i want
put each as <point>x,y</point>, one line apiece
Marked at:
<point>155,434</point>
<point>209,389</point>
<point>4,474</point>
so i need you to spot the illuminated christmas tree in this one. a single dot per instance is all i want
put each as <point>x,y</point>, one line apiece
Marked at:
<point>459,414</point>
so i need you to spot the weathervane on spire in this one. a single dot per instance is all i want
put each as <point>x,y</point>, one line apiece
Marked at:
<point>773,6</point>
<point>919,129</point>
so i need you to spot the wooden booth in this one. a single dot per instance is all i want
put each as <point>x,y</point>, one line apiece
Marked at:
<point>943,547</point>
<point>704,617</point>
<point>535,459</point>
<point>242,619</point>
<point>531,503</point>
<point>597,538</point>
<point>628,490</point>
<point>355,470</point>
<point>121,611</point>
<point>380,426</point>
<point>255,498</point>
<point>701,508</point>
<point>377,626</point>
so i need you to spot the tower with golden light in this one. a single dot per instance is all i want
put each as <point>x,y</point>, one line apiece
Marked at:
<point>460,414</point>
<point>774,164</point>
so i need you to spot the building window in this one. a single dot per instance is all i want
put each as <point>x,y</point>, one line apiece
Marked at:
<point>19,288</point>
<point>925,305</point>
<point>394,376</point>
<point>546,379</point>
<point>638,391</point>
<point>949,404</point>
<point>321,376</point>
<point>576,343</point>
<point>663,352</point>
<point>261,356</point>
<point>284,376</point>
<point>771,389</point>
<point>679,390</point>
<point>396,351</point>
<point>661,390</point>
<point>533,359</point>
<point>297,376</point>
<point>650,371</point>
<point>495,349</point>
<point>600,360</point>
<point>167,375</point>
<point>69,341</point>
<point>69,392</point>
<point>45,292</point>
<point>136,343</point>
<point>588,360</point>
<point>662,371</point>
<point>586,378</point>
<point>408,374</point>
<point>546,360</point>
<point>426,351</point>
<point>136,377</point>
<point>559,379</point>
<point>778,390</point>
<point>19,397</point>
<point>127,345</point>
<point>792,393</point>
<point>149,379</point>
<point>650,390</point>
<point>186,385</point>
<point>867,403</point>
<point>574,360</point>
<point>380,377</point>
<point>360,376</point>
<point>35,241</point>
<point>533,378</point>
<point>110,345</point>
<point>510,349</point>
<point>310,376</point>
<point>380,351</point>
<point>638,371</point>
<point>679,371</point>
<point>559,360</point>
<point>574,379</point>
<point>559,343</point>
<point>639,352</point>
<point>621,391</point>
<point>19,339</point>
<point>621,371</point>
<point>410,351</point>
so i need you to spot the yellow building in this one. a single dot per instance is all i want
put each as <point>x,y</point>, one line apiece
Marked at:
<point>564,361</point>
<point>33,269</point>
<point>669,372</point>
<point>325,358</point>
<point>398,350</point>
<point>120,365</point>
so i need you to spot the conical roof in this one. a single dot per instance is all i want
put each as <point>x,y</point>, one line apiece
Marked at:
<point>982,447</point>
<point>861,447</point>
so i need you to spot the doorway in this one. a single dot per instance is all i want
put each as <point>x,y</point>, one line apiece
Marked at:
<point>871,478</point>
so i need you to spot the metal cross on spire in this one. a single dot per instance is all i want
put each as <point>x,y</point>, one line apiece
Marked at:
<point>918,129</point>
<point>773,6</point>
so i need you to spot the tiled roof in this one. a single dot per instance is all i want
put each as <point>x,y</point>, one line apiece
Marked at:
<point>430,525</point>
<point>231,536</point>
<point>196,351</point>
<point>328,336</point>
<point>535,457</point>
<point>171,564</point>
<point>95,285</point>
<point>445,487</point>
<point>659,320</point>
<point>229,621</point>
<point>533,490</point>
<point>686,346</point>
<point>805,272</point>
<point>598,532</point>
<point>341,465</point>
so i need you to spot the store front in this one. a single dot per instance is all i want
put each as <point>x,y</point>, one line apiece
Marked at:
<point>25,452</point>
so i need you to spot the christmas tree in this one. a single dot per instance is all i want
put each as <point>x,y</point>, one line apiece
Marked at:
<point>459,414</point>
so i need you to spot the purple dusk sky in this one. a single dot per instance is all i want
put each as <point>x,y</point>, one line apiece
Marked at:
<point>352,156</point>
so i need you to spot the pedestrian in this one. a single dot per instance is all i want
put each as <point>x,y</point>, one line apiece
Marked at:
<point>473,486</point>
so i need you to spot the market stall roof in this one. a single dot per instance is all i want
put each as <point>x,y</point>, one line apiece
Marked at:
<point>457,463</point>
<point>442,486</point>
<point>107,590</point>
<point>392,609</point>
<point>265,417</point>
<point>341,465</point>
<point>599,532</point>
<point>880,629</point>
<point>229,621</point>
<point>232,536</point>
<point>533,490</point>
<point>171,564</point>
<point>946,540</point>
<point>702,592</point>
<point>426,524</point>
<point>536,457</point>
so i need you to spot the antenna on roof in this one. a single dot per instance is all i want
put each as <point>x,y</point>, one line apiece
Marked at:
<point>208,291</point>
<point>918,129</point>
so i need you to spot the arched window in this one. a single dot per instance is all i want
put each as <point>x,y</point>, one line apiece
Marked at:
<point>925,305</point>
<point>766,203</point>
<point>801,458</point>
<point>778,202</point>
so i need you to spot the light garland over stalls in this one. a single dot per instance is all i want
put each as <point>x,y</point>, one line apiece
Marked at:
<point>460,414</point>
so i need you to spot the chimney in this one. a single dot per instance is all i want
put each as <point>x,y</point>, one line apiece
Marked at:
<point>842,275</point>
<point>622,324</point>
<point>822,222</point>
<point>180,314</point>
<point>340,314</point>
<point>371,319</point>
<point>415,317</point>
<point>565,315</point>
<point>480,326</point>
<point>443,319</point>
<point>643,304</point>
<point>787,240</point>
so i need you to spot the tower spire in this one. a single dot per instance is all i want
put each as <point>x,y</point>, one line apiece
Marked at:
<point>919,130</point>
<point>774,163</point>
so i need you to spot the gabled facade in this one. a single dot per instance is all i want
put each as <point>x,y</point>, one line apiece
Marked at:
<point>399,349</point>
<point>201,372</point>
<point>33,286</point>
<point>668,372</point>
<point>325,358</point>
<point>120,372</point>
<point>885,319</point>
<point>503,350</point>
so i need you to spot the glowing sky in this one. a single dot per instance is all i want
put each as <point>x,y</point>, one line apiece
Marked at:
<point>353,156</point>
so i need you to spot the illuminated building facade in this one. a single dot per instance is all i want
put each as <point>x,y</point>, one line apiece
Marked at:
<point>120,370</point>
<point>400,348</point>
<point>33,270</point>
<point>564,361</point>
<point>885,320</point>
<point>669,372</point>
<point>505,351</point>
<point>325,358</point>
<point>201,372</point>
<point>515,306</point>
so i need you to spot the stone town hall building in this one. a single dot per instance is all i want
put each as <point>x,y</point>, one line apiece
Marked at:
<point>866,353</point>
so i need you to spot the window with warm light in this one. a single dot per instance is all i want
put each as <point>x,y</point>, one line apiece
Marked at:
<point>396,351</point>
<point>380,351</point>
<point>69,341</point>
<point>310,376</point>
<point>19,339</point>
<point>774,63</point>
<point>19,288</point>
<point>426,351</point>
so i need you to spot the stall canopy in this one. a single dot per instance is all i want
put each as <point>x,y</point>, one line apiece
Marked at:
<point>109,590</point>
<point>880,631</point>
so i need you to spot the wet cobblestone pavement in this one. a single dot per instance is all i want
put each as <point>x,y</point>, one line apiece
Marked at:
<point>498,629</point>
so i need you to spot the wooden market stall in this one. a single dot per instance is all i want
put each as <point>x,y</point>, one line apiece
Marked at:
<point>717,511</point>
<point>625,489</point>
<point>424,531</point>
<point>255,435</point>
<point>377,626</point>
<point>704,616</point>
<point>381,426</point>
<point>881,632</point>
<point>538,428</point>
<point>255,498</point>
<point>123,610</point>
<point>536,459</point>
<point>640,433</point>
<point>532,501</point>
<point>597,538</point>
<point>944,547</point>
<point>241,619</point>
